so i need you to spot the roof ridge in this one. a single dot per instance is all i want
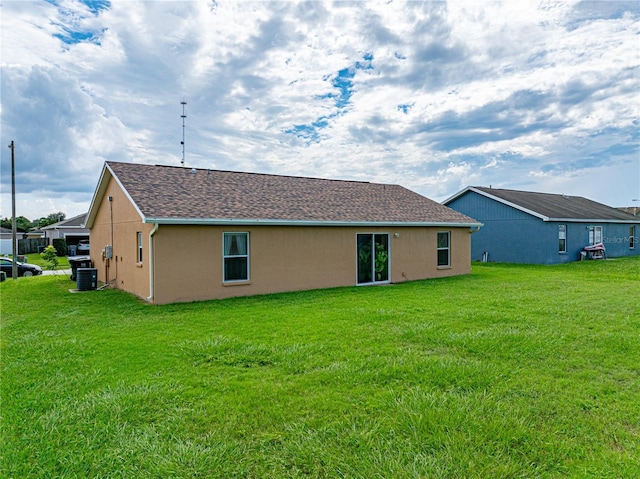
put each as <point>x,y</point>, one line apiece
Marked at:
<point>275,175</point>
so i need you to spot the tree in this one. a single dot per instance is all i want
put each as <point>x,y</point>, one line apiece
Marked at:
<point>25,224</point>
<point>51,257</point>
<point>22,224</point>
<point>51,219</point>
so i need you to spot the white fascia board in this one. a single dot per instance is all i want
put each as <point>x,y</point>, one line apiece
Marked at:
<point>457,195</point>
<point>101,189</point>
<point>512,205</point>
<point>270,222</point>
<point>97,197</point>
<point>594,220</point>
<point>126,193</point>
<point>79,227</point>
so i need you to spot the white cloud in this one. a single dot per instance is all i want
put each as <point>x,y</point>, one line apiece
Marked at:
<point>431,95</point>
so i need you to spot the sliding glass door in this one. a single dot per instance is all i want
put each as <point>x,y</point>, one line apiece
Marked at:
<point>373,258</point>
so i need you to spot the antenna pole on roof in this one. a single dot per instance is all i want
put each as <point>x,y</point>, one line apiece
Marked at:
<point>183,116</point>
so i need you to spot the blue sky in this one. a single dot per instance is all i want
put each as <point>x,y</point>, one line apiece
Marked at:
<point>435,96</point>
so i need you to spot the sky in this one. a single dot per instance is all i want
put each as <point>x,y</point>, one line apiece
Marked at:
<point>432,95</point>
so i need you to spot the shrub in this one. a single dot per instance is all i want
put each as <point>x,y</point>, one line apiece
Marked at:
<point>50,256</point>
<point>60,244</point>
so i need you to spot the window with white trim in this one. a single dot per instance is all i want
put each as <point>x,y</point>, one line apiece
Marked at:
<point>139,243</point>
<point>444,249</point>
<point>632,237</point>
<point>235,257</point>
<point>562,238</point>
<point>595,235</point>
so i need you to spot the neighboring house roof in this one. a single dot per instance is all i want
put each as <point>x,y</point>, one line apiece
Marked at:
<point>75,222</point>
<point>8,232</point>
<point>178,195</point>
<point>35,232</point>
<point>633,210</point>
<point>552,207</point>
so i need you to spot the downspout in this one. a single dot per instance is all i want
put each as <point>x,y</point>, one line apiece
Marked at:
<point>151,258</point>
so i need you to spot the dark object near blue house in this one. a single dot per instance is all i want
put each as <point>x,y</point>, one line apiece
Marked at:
<point>542,228</point>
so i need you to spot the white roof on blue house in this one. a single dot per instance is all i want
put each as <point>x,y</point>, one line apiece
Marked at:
<point>552,207</point>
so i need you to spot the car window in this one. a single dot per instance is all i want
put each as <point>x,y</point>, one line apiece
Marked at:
<point>6,261</point>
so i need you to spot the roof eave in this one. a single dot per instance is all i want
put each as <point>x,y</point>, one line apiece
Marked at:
<point>534,213</point>
<point>99,193</point>
<point>512,205</point>
<point>52,227</point>
<point>97,197</point>
<point>593,220</point>
<point>282,222</point>
<point>456,195</point>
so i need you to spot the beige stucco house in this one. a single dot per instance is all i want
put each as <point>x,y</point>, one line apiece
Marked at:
<point>171,234</point>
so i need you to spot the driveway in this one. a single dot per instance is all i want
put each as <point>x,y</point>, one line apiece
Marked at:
<point>60,272</point>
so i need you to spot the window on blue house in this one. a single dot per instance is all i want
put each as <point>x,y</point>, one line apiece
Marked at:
<point>595,235</point>
<point>632,237</point>
<point>562,238</point>
<point>235,256</point>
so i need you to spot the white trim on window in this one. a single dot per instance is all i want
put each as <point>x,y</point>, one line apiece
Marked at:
<point>595,235</point>
<point>235,256</point>
<point>562,239</point>
<point>443,246</point>
<point>139,249</point>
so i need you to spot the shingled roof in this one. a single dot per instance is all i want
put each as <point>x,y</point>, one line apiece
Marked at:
<point>178,195</point>
<point>553,207</point>
<point>75,222</point>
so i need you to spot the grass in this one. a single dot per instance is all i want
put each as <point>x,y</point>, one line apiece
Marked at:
<point>513,371</point>
<point>35,258</point>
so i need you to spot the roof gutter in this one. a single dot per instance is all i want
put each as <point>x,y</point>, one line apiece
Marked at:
<point>271,222</point>
<point>151,271</point>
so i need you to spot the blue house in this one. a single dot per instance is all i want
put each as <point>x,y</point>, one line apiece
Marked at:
<point>541,228</point>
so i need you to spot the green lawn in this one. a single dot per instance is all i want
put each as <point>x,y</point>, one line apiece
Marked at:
<point>511,372</point>
<point>35,258</point>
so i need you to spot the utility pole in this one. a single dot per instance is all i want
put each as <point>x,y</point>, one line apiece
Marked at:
<point>14,224</point>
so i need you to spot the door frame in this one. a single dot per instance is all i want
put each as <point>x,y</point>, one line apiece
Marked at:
<point>373,272</point>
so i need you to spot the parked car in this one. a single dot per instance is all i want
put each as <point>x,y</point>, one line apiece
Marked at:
<point>24,269</point>
<point>83,246</point>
